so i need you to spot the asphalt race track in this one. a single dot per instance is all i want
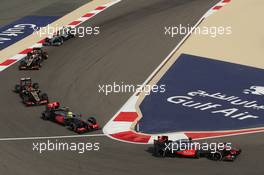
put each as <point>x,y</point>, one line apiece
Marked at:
<point>130,46</point>
<point>31,7</point>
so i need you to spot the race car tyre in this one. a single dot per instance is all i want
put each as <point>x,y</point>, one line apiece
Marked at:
<point>44,96</point>
<point>45,55</point>
<point>29,54</point>
<point>216,156</point>
<point>23,63</point>
<point>92,120</point>
<point>17,88</point>
<point>25,99</point>
<point>197,155</point>
<point>72,126</point>
<point>158,152</point>
<point>46,44</point>
<point>36,48</point>
<point>35,85</point>
<point>47,40</point>
<point>45,116</point>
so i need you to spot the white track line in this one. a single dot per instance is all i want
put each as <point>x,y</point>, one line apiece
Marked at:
<point>50,137</point>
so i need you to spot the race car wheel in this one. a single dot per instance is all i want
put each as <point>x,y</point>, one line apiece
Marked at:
<point>25,99</point>
<point>73,126</point>
<point>23,63</point>
<point>216,156</point>
<point>47,40</point>
<point>45,55</point>
<point>17,88</point>
<point>45,116</point>
<point>158,151</point>
<point>92,120</point>
<point>44,96</point>
<point>36,49</point>
<point>36,86</point>
<point>197,155</point>
<point>29,54</point>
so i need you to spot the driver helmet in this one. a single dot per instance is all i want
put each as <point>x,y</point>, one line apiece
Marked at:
<point>69,114</point>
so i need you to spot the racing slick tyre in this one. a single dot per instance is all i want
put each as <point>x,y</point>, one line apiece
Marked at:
<point>47,40</point>
<point>25,99</point>
<point>36,48</point>
<point>158,151</point>
<point>23,63</point>
<point>29,54</point>
<point>60,43</point>
<point>44,96</point>
<point>216,156</point>
<point>72,126</point>
<point>17,88</point>
<point>21,67</point>
<point>197,155</point>
<point>45,116</point>
<point>92,120</point>
<point>35,85</point>
<point>45,55</point>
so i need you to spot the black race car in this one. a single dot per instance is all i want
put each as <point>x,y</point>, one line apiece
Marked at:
<point>33,59</point>
<point>67,118</point>
<point>163,147</point>
<point>62,35</point>
<point>30,93</point>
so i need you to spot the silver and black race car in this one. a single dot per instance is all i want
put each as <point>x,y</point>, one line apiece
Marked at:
<point>62,35</point>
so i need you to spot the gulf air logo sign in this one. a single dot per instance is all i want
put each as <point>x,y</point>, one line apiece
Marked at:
<point>15,31</point>
<point>255,90</point>
<point>230,106</point>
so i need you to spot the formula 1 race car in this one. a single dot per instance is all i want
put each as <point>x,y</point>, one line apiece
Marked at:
<point>30,93</point>
<point>33,59</point>
<point>163,147</point>
<point>62,35</point>
<point>66,33</point>
<point>65,117</point>
<point>53,41</point>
